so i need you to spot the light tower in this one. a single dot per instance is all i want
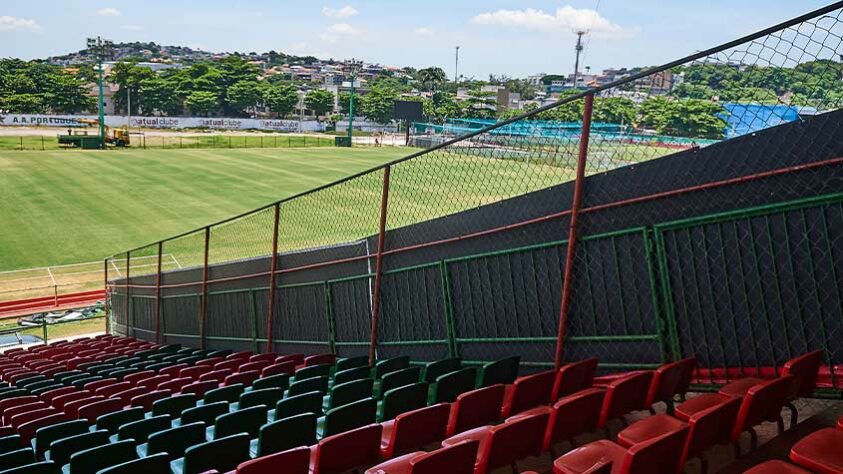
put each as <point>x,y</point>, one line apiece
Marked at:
<point>579,49</point>
<point>101,49</point>
<point>457,66</point>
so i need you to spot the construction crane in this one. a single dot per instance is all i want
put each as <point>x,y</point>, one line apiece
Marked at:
<point>118,137</point>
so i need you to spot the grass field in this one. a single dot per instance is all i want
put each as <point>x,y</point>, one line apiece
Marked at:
<point>43,142</point>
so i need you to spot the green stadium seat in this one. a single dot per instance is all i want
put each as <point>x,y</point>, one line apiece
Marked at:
<point>45,388</point>
<point>284,434</point>
<point>399,378</point>
<point>449,386</point>
<point>230,394</point>
<point>348,392</point>
<point>174,441</point>
<point>315,384</point>
<point>112,421</point>
<point>391,365</point>
<point>347,417</point>
<point>31,380</point>
<point>281,381</point>
<point>174,405</point>
<point>347,375</point>
<point>222,455</point>
<point>267,397</point>
<point>246,420</point>
<point>352,363</point>
<point>61,450</point>
<point>503,371</point>
<point>46,435</point>
<point>9,443</point>
<point>91,461</point>
<point>402,399</point>
<point>305,403</point>
<point>206,414</point>
<point>313,371</point>
<point>16,458</point>
<point>435,369</point>
<point>141,429</point>
<point>44,467</point>
<point>154,464</point>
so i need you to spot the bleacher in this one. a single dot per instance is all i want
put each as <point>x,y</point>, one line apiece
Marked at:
<point>116,405</point>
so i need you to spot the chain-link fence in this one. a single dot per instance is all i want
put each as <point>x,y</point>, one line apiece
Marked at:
<point>689,209</point>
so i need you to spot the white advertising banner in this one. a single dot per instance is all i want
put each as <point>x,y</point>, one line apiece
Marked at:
<point>218,123</point>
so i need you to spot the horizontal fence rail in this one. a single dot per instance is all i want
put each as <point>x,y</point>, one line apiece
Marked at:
<point>561,234</point>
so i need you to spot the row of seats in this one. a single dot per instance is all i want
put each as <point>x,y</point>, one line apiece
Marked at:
<point>818,452</point>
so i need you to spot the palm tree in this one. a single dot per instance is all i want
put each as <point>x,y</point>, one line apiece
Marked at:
<point>431,77</point>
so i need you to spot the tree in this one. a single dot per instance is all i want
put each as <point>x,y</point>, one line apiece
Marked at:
<point>481,104</point>
<point>568,112</point>
<point>66,94</point>
<point>36,87</point>
<point>431,78</point>
<point>202,103</point>
<point>319,101</point>
<point>441,106</point>
<point>614,110</point>
<point>129,77</point>
<point>281,98</point>
<point>243,96</point>
<point>345,101</point>
<point>683,118</point>
<point>380,104</point>
<point>160,95</point>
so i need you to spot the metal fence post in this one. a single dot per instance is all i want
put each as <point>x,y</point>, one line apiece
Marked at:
<point>273,263</point>
<point>158,296</point>
<point>376,296</point>
<point>203,306</point>
<point>572,231</point>
<point>128,291</point>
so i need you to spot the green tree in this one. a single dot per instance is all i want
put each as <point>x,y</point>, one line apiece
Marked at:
<point>480,104</point>
<point>242,97</point>
<point>568,112</point>
<point>202,103</point>
<point>160,95</point>
<point>431,78</point>
<point>281,98</point>
<point>615,110</point>
<point>67,94</point>
<point>345,100</point>
<point>683,118</point>
<point>380,104</point>
<point>441,106</point>
<point>129,76</point>
<point>320,101</point>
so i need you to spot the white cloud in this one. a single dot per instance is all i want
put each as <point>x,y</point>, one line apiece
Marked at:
<point>340,31</point>
<point>132,27</point>
<point>11,23</point>
<point>424,32</point>
<point>345,12</point>
<point>564,19</point>
<point>108,11</point>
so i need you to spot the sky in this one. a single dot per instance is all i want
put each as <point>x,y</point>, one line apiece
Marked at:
<point>514,38</point>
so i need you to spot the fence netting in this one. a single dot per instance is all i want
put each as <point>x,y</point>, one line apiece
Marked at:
<point>709,224</point>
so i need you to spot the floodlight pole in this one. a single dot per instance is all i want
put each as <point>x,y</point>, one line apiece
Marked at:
<point>351,106</point>
<point>99,47</point>
<point>101,105</point>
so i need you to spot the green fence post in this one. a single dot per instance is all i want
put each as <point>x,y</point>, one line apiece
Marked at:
<point>669,313</point>
<point>44,324</point>
<point>329,314</point>
<point>21,143</point>
<point>42,143</point>
<point>254,320</point>
<point>449,309</point>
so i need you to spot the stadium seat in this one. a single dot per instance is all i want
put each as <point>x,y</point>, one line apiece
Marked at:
<point>265,357</point>
<point>223,455</point>
<point>281,381</point>
<point>624,395</point>
<point>402,399</point>
<point>503,371</point>
<point>776,466</point>
<point>669,380</point>
<point>574,377</point>
<point>199,388</point>
<point>315,384</point>
<point>61,450</point>
<point>10,443</point>
<point>311,371</point>
<point>231,365</point>
<point>195,372</point>
<point>414,429</point>
<point>528,392</point>
<point>390,365</point>
<point>432,370</point>
<point>16,458</point>
<point>207,363</point>
<point>10,412</point>
<point>476,408</point>
<point>352,363</point>
<point>349,450</point>
<point>93,460</point>
<point>173,371</point>
<point>174,405</point>
<point>505,444</point>
<point>230,394</point>
<point>245,420</point>
<point>821,451</point>
<point>152,383</point>
<point>176,384</point>
<point>320,359</point>
<point>173,441</point>
<point>112,421</point>
<point>71,409</point>
<point>449,386</point>
<point>23,418</point>
<point>348,375</point>
<point>27,430</point>
<point>267,397</point>
<point>126,396</point>
<point>254,366</point>
<point>399,378</point>
<point>298,404</point>
<point>347,417</point>
<point>47,434</point>
<point>284,434</point>
<point>570,416</point>
<point>206,413</point>
<point>456,459</point>
<point>112,389</point>
<point>136,377</point>
<point>146,400</point>
<point>296,359</point>
<point>13,402</point>
<point>44,467</point>
<point>657,456</point>
<point>242,355</point>
<point>295,461</point>
<point>288,368</point>
<point>348,392</point>
<point>217,376</point>
<point>94,385</point>
<point>141,429</point>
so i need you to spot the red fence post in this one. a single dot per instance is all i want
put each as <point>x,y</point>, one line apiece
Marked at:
<point>572,231</point>
<point>128,282</point>
<point>158,297</point>
<point>105,292</point>
<point>273,263</point>
<point>203,306</point>
<point>376,296</point>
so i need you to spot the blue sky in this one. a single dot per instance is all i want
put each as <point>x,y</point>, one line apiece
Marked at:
<point>516,38</point>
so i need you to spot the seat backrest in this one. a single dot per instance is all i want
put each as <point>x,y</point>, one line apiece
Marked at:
<point>295,461</point>
<point>147,399</point>
<point>57,392</point>
<point>514,440</point>
<point>199,388</point>
<point>36,404</point>
<point>313,371</point>
<point>229,393</point>
<point>403,399</point>
<point>257,366</point>
<point>10,443</point>
<point>218,375</point>
<point>47,434</point>
<point>503,371</point>
<point>126,396</point>
<point>195,371</point>
<point>399,378</point>
<point>72,408</point>
<point>391,365</point>
<point>245,420</point>
<point>310,402</point>
<point>12,402</point>
<point>296,359</point>
<point>573,377</point>
<point>449,386</point>
<point>456,459</point>
<point>689,366</point>
<point>174,405</point>
<point>223,454</point>
<point>152,464</point>
<point>281,381</point>
<point>175,441</point>
<point>710,426</point>
<point>762,402</point>
<point>62,449</point>
<point>320,359</point>
<point>265,357</point>
<point>288,368</point>
<point>209,362</point>
<point>112,389</point>
<point>230,364</point>
<point>352,363</point>
<point>136,377</point>
<point>141,429</point>
<point>576,414</point>
<point>348,392</point>
<point>175,384</point>
<point>287,433</point>
<point>657,456</point>
<point>350,416</point>
<point>21,419</point>
<point>44,467</point>
<point>173,370</point>
<point>355,373</point>
<point>16,458</point>
<point>314,384</point>
<point>93,460</point>
<point>624,395</point>
<point>667,381</point>
<point>206,413</point>
<point>476,408</point>
<point>242,355</point>
<point>531,391</point>
<point>348,450</point>
<point>94,385</point>
<point>267,397</point>
<point>417,428</point>
<point>805,370</point>
<point>111,422</point>
<point>432,370</point>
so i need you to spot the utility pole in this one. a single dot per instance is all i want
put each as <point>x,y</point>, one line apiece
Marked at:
<point>351,103</point>
<point>457,67</point>
<point>579,49</point>
<point>101,48</point>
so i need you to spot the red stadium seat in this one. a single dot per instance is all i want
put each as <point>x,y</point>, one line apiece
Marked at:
<point>23,418</point>
<point>571,416</point>
<point>71,409</point>
<point>624,395</point>
<point>138,376</point>
<point>320,359</point>
<point>821,451</point>
<point>96,384</point>
<point>231,364</point>
<point>209,362</point>
<point>92,411</point>
<point>245,378</point>
<point>296,359</point>
<point>27,430</point>
<point>50,395</point>
<point>242,355</point>
<point>126,396</point>
<point>476,408</point>
<point>196,371</point>
<point>22,408</point>
<point>294,461</point>
<point>199,388</point>
<point>669,380</point>
<point>288,368</point>
<point>267,357</point>
<point>657,456</point>
<point>528,392</point>
<point>110,390</point>
<point>256,366</point>
<point>153,382</point>
<point>175,385</point>
<point>173,370</point>
<point>776,467</point>
<point>414,429</point>
<point>146,400</point>
<point>16,402</point>
<point>216,375</point>
<point>349,450</point>
<point>505,444</point>
<point>456,459</point>
<point>573,377</point>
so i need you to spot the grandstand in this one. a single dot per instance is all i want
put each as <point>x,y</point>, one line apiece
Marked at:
<point>588,302</point>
